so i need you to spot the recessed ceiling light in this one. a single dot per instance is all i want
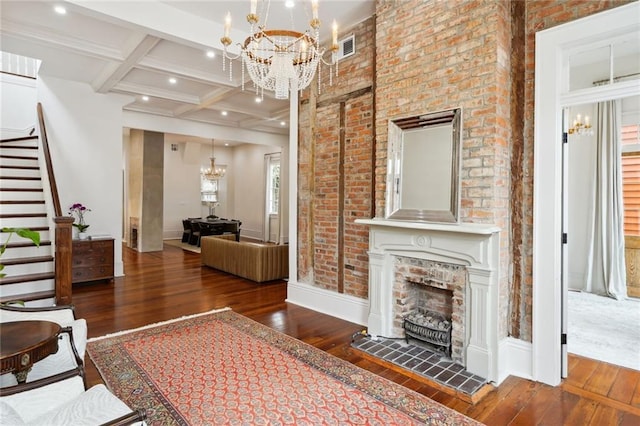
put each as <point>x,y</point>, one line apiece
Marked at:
<point>173,80</point>
<point>226,144</point>
<point>145,98</point>
<point>289,4</point>
<point>258,99</point>
<point>211,54</point>
<point>224,113</point>
<point>60,10</point>
<point>283,123</point>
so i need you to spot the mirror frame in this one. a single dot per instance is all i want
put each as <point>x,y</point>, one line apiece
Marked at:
<point>395,144</point>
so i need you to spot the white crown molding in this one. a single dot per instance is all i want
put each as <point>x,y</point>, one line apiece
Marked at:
<point>52,39</point>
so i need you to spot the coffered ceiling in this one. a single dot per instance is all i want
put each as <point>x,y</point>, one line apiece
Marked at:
<point>135,47</point>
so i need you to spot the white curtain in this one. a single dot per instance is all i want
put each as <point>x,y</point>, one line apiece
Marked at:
<point>606,266</point>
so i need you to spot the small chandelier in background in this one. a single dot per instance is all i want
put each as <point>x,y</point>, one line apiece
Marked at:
<point>581,128</point>
<point>212,173</point>
<point>280,60</point>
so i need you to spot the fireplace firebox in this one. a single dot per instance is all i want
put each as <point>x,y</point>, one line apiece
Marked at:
<point>430,328</point>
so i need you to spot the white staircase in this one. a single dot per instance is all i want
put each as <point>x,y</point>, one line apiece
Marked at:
<point>29,269</point>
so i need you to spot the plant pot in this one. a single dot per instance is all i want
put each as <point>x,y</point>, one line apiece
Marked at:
<point>83,235</point>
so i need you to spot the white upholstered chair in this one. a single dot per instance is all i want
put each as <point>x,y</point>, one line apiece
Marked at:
<point>62,400</point>
<point>71,346</point>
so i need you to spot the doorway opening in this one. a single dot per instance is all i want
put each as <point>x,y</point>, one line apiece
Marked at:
<point>557,48</point>
<point>601,321</point>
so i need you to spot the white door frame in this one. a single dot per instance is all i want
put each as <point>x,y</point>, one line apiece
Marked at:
<point>551,76</point>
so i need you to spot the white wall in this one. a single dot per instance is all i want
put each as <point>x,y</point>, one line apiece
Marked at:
<point>240,191</point>
<point>17,106</point>
<point>182,184</point>
<point>85,136</point>
<point>249,187</point>
<point>181,190</point>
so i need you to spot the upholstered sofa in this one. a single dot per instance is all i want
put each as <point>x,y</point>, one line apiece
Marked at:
<point>254,261</point>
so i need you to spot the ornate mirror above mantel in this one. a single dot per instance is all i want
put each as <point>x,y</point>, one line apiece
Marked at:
<point>423,167</point>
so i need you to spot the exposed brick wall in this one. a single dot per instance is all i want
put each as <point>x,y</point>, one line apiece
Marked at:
<point>326,207</point>
<point>477,55</point>
<point>432,56</point>
<point>335,182</point>
<point>355,72</point>
<point>420,56</point>
<point>358,199</point>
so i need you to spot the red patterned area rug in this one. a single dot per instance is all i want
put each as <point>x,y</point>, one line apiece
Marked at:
<point>221,368</point>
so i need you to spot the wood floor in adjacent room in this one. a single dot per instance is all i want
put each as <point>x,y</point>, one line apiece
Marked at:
<point>159,286</point>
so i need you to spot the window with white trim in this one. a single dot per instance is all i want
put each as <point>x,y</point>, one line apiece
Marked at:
<point>631,178</point>
<point>273,184</point>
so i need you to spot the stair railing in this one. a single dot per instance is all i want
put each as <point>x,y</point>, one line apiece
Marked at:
<point>62,225</point>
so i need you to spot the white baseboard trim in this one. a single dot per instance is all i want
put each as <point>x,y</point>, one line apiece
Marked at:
<point>119,269</point>
<point>172,234</point>
<point>515,359</point>
<point>348,308</point>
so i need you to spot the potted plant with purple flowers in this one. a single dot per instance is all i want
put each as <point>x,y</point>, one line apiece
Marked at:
<point>79,210</point>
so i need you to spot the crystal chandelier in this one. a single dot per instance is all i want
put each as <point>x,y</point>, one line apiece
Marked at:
<point>212,173</point>
<point>280,60</point>
<point>580,128</point>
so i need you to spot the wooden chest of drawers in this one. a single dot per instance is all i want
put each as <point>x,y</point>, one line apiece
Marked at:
<point>92,260</point>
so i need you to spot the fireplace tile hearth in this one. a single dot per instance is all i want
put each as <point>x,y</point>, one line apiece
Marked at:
<point>423,362</point>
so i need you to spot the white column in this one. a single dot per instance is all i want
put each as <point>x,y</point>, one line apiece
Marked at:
<point>293,186</point>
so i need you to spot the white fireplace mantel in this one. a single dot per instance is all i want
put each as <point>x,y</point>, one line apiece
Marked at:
<point>462,228</point>
<point>476,246</point>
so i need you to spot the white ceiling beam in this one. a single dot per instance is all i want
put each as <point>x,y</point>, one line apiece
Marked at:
<point>135,89</point>
<point>253,122</point>
<point>76,45</point>
<point>206,101</point>
<point>201,129</point>
<point>140,46</point>
<point>254,112</point>
<point>152,64</point>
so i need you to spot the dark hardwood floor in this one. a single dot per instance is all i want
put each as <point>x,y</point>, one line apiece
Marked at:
<point>159,286</point>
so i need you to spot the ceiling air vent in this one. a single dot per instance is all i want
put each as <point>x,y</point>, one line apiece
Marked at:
<point>346,47</point>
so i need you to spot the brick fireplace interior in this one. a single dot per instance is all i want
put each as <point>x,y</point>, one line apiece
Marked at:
<point>427,286</point>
